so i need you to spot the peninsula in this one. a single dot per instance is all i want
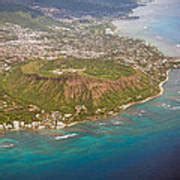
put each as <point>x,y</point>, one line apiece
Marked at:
<point>57,73</point>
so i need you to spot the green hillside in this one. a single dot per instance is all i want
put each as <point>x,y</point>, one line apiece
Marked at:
<point>65,84</point>
<point>24,16</point>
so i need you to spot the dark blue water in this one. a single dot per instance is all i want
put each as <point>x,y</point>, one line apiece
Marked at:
<point>141,143</point>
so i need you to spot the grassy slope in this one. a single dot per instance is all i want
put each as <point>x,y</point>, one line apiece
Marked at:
<point>25,17</point>
<point>104,69</point>
<point>16,114</point>
<point>50,94</point>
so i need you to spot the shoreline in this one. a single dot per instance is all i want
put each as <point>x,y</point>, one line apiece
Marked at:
<point>126,106</point>
<point>161,84</point>
<point>144,27</point>
<point>123,108</point>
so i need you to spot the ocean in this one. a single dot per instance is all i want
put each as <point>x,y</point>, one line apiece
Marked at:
<point>158,24</point>
<point>142,143</point>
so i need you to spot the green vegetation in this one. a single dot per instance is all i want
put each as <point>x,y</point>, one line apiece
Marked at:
<point>26,20</point>
<point>105,69</point>
<point>101,84</point>
<point>11,110</point>
<point>32,67</point>
<point>75,89</point>
<point>93,8</point>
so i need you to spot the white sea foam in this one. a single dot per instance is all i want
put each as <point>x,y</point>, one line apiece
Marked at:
<point>175,108</point>
<point>7,145</point>
<point>102,124</point>
<point>145,27</point>
<point>65,136</point>
<point>166,106</point>
<point>169,107</point>
<point>117,123</point>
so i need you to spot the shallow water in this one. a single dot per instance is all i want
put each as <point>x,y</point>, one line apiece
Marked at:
<point>158,24</point>
<point>141,143</point>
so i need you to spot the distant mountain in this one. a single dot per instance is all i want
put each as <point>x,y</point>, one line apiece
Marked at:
<point>77,8</point>
<point>33,11</point>
<point>17,1</point>
<point>21,13</point>
<point>97,8</point>
<point>18,5</point>
<point>82,88</point>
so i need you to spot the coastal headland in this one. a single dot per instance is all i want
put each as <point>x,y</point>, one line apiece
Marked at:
<point>63,92</point>
<point>54,74</point>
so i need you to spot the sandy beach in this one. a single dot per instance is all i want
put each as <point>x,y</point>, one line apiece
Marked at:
<point>126,106</point>
<point>123,107</point>
<point>151,97</point>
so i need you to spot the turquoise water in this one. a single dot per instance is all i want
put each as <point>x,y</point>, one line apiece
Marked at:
<point>143,143</point>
